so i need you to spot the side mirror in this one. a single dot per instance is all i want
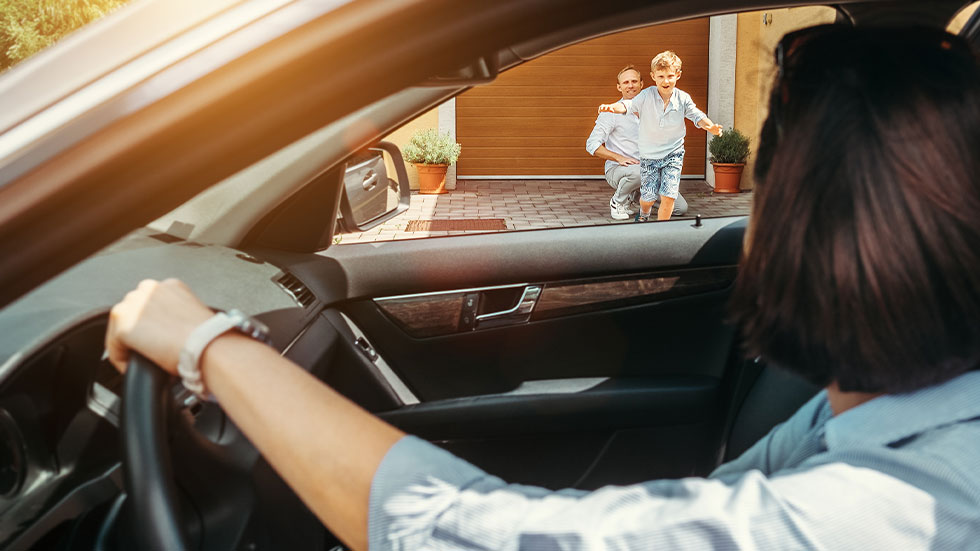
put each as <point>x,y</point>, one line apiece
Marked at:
<point>369,196</point>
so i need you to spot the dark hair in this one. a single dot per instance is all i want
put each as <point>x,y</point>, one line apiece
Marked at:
<point>863,255</point>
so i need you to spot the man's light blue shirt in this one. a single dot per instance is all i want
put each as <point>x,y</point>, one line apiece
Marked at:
<point>662,127</point>
<point>896,472</point>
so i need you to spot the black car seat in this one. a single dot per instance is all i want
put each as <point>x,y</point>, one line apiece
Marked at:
<point>771,399</point>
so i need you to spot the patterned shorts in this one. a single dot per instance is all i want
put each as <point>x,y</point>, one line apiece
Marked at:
<point>661,176</point>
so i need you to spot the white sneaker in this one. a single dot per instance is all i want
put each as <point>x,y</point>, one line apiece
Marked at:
<point>619,211</point>
<point>630,205</point>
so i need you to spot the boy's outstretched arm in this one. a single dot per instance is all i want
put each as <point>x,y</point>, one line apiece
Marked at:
<point>706,124</point>
<point>617,107</point>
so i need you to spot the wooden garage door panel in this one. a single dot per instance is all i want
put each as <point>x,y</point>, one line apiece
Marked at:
<point>613,55</point>
<point>573,96</point>
<point>534,119</point>
<point>492,106</point>
<point>617,50</point>
<point>585,73</point>
<point>550,160</point>
<point>512,148</point>
<point>562,126</point>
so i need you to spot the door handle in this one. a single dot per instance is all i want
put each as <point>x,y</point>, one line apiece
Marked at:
<point>519,313</point>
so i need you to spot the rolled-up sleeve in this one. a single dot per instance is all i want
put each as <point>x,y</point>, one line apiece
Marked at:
<point>600,133</point>
<point>422,497</point>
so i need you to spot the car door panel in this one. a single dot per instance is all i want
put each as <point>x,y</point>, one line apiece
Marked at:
<point>620,373</point>
<point>393,268</point>
<point>611,404</point>
<point>577,439</point>
<point>680,336</point>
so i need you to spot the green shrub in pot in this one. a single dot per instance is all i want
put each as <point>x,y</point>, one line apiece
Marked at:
<point>731,147</point>
<point>728,154</point>
<point>429,147</point>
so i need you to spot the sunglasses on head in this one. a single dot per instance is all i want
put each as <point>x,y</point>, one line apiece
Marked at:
<point>788,47</point>
<point>784,54</point>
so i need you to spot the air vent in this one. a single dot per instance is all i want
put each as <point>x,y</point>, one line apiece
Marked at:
<point>296,289</point>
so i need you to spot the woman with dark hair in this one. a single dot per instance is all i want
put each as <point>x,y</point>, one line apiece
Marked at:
<point>864,264</point>
<point>861,273</point>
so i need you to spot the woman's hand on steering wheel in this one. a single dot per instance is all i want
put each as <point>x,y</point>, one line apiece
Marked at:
<point>155,320</point>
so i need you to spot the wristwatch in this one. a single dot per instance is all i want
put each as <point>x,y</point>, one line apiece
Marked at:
<point>188,364</point>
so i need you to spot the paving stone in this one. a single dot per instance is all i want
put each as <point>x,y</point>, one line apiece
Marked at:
<point>537,204</point>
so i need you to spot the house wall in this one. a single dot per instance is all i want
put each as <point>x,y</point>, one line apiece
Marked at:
<point>722,49</point>
<point>401,137</point>
<point>758,34</point>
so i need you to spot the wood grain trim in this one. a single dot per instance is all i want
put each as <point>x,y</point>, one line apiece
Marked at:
<point>439,314</point>
<point>425,316</point>
<point>563,299</point>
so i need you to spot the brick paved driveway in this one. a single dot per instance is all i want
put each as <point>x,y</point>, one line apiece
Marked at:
<point>531,204</point>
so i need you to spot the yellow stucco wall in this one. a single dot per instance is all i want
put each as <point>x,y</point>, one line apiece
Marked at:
<point>758,34</point>
<point>401,137</point>
<point>754,70</point>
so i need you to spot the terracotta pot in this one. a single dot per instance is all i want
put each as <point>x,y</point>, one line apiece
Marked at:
<point>432,178</point>
<point>727,177</point>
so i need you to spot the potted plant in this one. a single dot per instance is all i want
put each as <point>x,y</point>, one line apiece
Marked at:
<point>432,153</point>
<point>728,154</point>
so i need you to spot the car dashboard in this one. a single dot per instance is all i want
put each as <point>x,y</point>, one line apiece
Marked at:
<point>61,480</point>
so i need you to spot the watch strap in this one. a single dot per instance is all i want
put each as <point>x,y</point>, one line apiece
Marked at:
<point>188,364</point>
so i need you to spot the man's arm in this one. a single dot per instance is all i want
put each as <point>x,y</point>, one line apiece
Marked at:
<point>596,142</point>
<point>324,446</point>
<point>604,153</point>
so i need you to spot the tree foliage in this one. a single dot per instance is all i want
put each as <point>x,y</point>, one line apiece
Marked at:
<point>29,26</point>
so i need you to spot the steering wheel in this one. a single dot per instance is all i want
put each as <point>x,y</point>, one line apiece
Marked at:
<point>147,468</point>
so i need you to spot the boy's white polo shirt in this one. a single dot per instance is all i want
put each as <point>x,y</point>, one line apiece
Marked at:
<point>662,130</point>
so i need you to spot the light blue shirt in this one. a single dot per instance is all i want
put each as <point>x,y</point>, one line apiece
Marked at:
<point>897,472</point>
<point>662,128</point>
<point>618,133</point>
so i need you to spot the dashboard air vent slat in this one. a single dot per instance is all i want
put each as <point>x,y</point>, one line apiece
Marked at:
<point>297,289</point>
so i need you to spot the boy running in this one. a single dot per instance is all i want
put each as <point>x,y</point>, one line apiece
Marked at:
<point>662,109</point>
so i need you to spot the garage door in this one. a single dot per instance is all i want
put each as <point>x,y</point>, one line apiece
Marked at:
<point>533,120</point>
